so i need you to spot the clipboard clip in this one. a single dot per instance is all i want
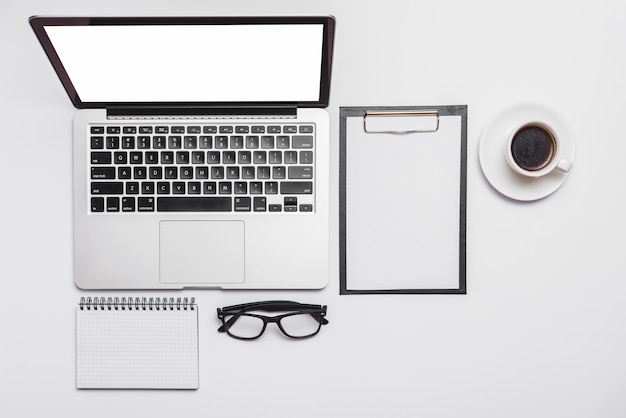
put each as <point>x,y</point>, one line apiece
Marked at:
<point>401,122</point>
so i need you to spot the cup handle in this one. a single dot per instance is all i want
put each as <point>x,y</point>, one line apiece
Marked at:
<point>564,165</point>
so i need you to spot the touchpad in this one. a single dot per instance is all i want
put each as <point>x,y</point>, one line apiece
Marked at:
<point>198,252</point>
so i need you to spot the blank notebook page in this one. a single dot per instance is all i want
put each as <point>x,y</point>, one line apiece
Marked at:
<point>137,347</point>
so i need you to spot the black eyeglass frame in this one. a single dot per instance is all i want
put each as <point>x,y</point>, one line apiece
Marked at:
<point>318,312</point>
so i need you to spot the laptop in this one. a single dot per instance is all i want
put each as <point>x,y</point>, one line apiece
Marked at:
<point>201,149</point>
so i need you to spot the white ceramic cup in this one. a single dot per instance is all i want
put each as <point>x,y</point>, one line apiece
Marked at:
<point>554,162</point>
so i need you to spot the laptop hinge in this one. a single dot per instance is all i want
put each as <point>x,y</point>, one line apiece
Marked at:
<point>200,112</point>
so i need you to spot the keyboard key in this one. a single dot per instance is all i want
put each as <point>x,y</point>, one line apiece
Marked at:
<point>159,142</point>
<point>243,204</point>
<point>221,142</point>
<point>178,187</point>
<point>276,208</point>
<point>296,187</point>
<point>97,204</point>
<point>163,187</point>
<point>191,142</point>
<point>101,157</point>
<point>124,173</point>
<point>282,142</point>
<point>97,142</point>
<point>129,130</point>
<point>256,187</point>
<point>194,204</point>
<point>209,187</point>
<point>217,173</point>
<point>152,157</point>
<point>175,142</point>
<point>242,129</point>
<point>162,129</point>
<point>120,157</point>
<point>128,142</point>
<point>260,204</point>
<point>276,157</point>
<point>213,157</point>
<point>171,173</point>
<point>300,172</point>
<point>193,187</point>
<point>145,129</point>
<point>193,130</point>
<point>97,129</point>
<point>140,173</point>
<point>167,157</point>
<point>209,129</point>
<point>143,142</point>
<point>113,204</point>
<point>306,157</point>
<point>278,172</point>
<point>178,129</point>
<point>107,187</point>
<point>291,157</point>
<point>114,130</point>
<point>271,187</point>
<point>273,129</point>
<point>232,172</point>
<point>257,129</point>
<point>252,142</point>
<point>186,173</point>
<point>206,142</point>
<point>202,173</point>
<point>306,129</point>
<point>240,187</point>
<point>113,142</point>
<point>197,157</point>
<point>145,204</point>
<point>236,142</point>
<point>226,129</point>
<point>267,142</point>
<point>306,208</point>
<point>132,187</point>
<point>128,204</point>
<point>155,173</point>
<point>225,187</point>
<point>182,157</point>
<point>302,141</point>
<point>260,157</point>
<point>147,187</point>
<point>228,157</point>
<point>102,173</point>
<point>290,129</point>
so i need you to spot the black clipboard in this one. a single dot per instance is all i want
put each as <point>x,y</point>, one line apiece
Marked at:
<point>402,200</point>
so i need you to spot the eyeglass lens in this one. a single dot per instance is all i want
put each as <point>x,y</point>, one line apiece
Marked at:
<point>296,325</point>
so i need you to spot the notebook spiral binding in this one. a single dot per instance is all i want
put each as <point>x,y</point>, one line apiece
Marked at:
<point>137,303</point>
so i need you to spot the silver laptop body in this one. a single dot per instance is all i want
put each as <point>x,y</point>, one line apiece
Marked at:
<point>201,149</point>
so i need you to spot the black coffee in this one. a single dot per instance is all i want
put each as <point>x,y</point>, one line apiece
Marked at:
<point>533,147</point>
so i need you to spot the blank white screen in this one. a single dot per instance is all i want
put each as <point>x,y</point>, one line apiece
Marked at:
<point>192,63</point>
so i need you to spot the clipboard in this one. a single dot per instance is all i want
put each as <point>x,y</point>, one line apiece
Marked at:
<point>402,200</point>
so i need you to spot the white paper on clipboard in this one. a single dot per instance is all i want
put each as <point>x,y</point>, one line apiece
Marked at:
<point>402,213</point>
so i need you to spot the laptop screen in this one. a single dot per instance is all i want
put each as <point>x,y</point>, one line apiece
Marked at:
<point>107,61</point>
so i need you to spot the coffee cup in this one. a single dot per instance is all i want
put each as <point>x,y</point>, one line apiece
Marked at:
<point>534,149</point>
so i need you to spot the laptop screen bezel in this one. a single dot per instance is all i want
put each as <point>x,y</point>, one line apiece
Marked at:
<point>39,23</point>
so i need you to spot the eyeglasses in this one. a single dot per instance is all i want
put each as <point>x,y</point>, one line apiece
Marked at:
<point>300,321</point>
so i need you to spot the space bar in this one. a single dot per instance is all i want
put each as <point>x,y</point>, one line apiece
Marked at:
<point>194,204</point>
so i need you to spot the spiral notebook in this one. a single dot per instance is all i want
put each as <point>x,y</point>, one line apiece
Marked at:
<point>136,343</point>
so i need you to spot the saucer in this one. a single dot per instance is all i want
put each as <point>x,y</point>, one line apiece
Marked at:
<point>492,147</point>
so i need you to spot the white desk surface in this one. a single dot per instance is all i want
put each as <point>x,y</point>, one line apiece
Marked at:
<point>550,342</point>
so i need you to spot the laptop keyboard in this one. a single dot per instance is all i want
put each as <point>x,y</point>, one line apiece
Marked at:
<point>202,168</point>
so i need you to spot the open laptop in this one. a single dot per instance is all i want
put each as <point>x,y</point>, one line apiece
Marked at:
<point>201,149</point>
